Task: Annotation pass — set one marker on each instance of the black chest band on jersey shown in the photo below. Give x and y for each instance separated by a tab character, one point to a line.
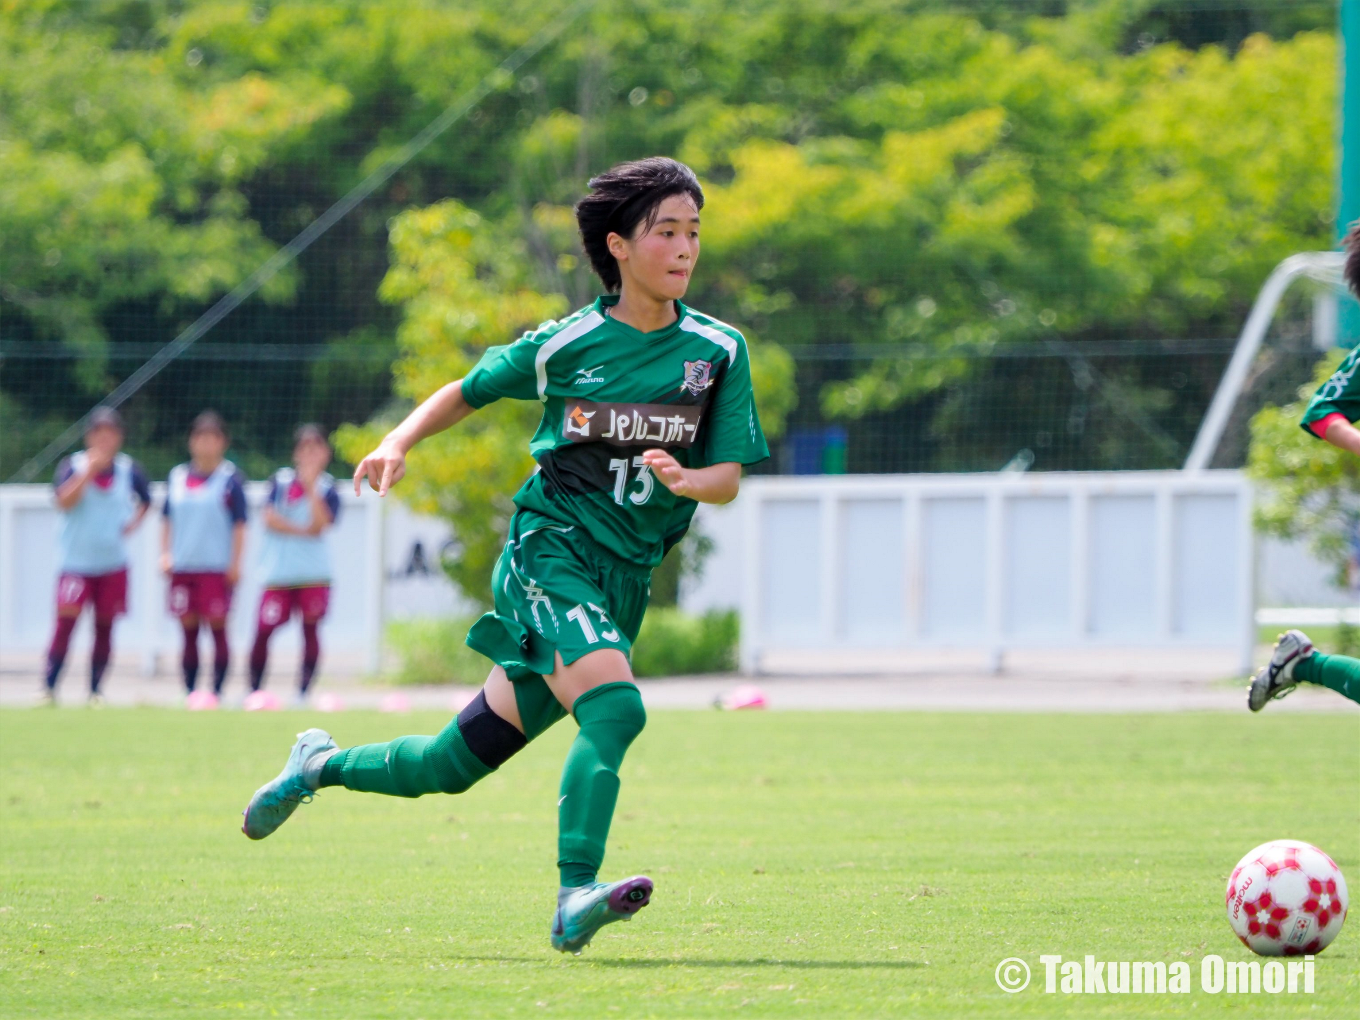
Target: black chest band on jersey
675	425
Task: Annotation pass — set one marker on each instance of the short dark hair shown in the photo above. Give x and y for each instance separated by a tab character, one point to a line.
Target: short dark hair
1351	242
209	421
102	417
311	432
621	198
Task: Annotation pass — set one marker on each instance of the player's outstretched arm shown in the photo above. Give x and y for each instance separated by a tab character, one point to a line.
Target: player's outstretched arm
717	483
1344	435
386	465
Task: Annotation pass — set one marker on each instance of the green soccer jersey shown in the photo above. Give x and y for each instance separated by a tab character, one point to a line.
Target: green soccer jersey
609	392
1340	394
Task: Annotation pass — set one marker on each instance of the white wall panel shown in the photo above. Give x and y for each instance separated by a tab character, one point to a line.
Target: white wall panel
1123	557
872	587
1206	574
1038	574
997	561
33	571
954	575
792	575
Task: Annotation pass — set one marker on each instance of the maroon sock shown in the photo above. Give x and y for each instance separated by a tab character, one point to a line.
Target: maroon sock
190	658
221	656
103	647
311	652
259	656
56	654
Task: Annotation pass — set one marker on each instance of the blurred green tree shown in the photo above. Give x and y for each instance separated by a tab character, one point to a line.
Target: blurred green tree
1310	489
882	173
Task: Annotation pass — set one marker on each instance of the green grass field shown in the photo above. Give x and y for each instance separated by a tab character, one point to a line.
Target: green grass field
806	865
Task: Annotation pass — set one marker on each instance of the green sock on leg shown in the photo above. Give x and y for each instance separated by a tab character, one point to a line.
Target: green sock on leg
611	716
408	766
1340	673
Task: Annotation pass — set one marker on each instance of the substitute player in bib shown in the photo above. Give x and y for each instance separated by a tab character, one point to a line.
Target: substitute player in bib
202	536
1331	416
103	495
302	504
647	411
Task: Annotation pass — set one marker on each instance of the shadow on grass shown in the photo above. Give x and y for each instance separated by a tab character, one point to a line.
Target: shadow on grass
721	964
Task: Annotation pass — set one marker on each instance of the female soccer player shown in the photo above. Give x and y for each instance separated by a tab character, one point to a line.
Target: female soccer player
103	495
302	504
201	540
1331	416
647	410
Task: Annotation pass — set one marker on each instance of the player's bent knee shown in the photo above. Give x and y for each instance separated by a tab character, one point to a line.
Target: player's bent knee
468	749
492	739
615	705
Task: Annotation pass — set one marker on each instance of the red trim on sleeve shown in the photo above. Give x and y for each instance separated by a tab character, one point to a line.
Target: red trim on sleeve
1321	426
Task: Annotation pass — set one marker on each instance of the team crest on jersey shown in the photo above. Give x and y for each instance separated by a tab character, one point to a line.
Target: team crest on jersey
578	421
697	376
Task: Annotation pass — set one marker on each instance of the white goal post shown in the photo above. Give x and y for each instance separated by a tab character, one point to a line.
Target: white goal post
1322	266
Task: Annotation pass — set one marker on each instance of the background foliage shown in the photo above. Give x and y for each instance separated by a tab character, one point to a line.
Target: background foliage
904	196
1309	488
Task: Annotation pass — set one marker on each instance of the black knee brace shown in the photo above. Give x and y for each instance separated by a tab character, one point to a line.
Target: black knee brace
493	740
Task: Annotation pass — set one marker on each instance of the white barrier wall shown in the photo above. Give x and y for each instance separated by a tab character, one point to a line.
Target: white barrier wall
893	562
996	561
351	633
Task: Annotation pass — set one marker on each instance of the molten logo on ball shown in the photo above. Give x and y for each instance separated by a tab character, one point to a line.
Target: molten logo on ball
1286	898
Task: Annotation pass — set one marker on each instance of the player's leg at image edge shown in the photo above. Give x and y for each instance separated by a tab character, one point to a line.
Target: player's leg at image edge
470	748
1293	662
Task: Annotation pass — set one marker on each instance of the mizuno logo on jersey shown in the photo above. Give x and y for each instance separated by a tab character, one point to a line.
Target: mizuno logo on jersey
632	424
588	375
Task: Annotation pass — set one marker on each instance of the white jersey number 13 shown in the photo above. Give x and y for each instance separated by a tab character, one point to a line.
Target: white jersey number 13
644	478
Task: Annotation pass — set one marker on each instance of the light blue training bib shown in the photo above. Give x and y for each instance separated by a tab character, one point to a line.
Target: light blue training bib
200	521
92	530
291	561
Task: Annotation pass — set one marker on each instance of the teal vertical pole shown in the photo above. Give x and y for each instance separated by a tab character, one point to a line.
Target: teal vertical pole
1348	156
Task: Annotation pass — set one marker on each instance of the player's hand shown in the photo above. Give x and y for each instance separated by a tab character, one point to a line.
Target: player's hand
98	459
232	575
383	468
668	470
167	564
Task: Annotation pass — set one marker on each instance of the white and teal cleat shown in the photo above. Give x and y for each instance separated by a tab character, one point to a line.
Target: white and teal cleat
276	800
584	910
1276	678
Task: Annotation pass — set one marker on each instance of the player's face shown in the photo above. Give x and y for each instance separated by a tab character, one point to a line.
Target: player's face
207	446
660	261
311	455
104	438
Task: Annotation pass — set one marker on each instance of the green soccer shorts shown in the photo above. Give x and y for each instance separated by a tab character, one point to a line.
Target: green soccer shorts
556	591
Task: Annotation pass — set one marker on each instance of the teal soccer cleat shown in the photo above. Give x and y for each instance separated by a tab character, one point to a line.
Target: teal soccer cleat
583	911
277	799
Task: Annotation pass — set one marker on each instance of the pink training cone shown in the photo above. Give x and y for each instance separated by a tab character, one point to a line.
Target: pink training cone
329	702
201	701
395	703
744	696
262	701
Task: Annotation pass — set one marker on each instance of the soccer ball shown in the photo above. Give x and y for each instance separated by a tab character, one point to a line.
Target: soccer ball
1286	898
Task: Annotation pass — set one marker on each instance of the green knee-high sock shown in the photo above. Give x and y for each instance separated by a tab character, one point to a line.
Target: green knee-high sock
1339	672
611	716
408	766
